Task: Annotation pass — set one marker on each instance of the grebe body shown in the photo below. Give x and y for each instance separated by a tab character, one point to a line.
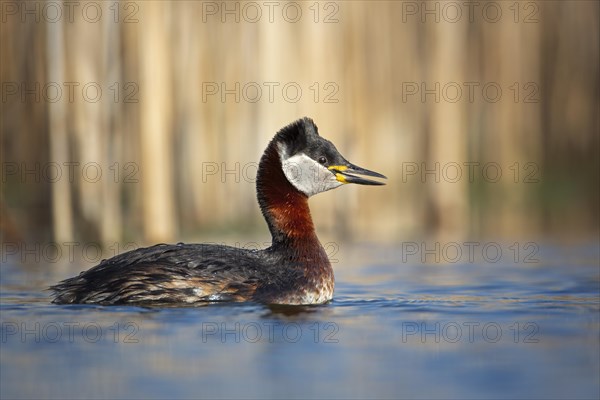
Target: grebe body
297	164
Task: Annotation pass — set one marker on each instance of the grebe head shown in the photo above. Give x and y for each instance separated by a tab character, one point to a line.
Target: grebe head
312	164
297	164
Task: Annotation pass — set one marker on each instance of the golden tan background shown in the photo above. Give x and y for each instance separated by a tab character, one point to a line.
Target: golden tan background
162	140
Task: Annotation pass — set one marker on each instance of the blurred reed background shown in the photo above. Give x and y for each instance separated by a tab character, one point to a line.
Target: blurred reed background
167	151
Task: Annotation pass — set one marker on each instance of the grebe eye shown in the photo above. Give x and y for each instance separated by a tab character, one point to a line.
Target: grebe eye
322	160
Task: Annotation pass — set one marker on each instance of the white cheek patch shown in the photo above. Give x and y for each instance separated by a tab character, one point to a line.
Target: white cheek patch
307	175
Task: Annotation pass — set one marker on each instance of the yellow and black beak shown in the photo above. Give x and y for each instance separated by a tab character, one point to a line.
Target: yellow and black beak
347	174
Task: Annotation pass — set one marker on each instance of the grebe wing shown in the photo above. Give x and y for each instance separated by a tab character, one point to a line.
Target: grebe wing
182	273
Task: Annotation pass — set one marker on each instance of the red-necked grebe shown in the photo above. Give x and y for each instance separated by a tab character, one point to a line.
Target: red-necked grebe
297	164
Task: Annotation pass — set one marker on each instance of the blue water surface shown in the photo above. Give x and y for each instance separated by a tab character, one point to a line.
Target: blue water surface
399	327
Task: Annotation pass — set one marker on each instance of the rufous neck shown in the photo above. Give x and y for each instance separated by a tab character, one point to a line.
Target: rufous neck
284	207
